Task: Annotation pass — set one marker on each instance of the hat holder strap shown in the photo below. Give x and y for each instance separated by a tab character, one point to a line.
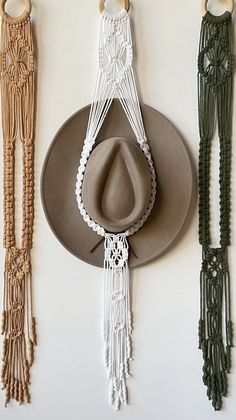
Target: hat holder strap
116	80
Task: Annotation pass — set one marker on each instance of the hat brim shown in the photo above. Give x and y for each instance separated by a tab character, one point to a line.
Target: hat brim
174	190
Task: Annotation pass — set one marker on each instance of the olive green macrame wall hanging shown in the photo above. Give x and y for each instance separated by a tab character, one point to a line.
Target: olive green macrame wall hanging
215	77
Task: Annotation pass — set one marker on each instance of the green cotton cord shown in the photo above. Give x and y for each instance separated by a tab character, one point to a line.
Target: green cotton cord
215	70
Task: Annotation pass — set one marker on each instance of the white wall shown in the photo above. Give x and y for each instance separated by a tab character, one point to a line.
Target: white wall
68	377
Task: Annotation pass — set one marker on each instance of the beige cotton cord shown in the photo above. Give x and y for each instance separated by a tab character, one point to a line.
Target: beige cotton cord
17	97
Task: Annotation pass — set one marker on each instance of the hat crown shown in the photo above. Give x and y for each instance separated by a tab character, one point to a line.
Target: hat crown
117	184
118	196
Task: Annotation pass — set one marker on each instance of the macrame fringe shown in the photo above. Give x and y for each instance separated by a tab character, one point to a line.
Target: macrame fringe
117	317
18	326
215	328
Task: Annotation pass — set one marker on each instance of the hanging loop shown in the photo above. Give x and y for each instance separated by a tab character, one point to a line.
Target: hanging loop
27	6
229	6
102	5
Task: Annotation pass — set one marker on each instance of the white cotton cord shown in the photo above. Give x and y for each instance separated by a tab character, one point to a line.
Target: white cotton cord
116	80
117	317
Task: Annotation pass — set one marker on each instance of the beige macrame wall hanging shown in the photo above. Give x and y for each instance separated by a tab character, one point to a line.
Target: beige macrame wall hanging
17	97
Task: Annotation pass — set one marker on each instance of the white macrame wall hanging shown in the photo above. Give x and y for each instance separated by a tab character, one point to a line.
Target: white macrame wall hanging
116	80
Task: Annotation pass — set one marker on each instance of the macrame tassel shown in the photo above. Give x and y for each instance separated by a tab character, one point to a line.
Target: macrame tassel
17	318
17	94
215	329
215	68
117	316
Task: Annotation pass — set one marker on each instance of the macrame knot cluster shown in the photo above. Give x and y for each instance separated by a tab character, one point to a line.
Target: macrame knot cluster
216	60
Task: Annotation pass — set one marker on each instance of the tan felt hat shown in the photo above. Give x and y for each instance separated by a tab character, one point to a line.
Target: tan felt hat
117	186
